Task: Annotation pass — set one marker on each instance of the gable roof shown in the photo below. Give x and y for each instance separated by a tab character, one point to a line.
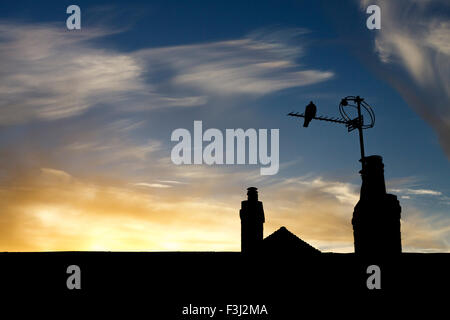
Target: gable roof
284	241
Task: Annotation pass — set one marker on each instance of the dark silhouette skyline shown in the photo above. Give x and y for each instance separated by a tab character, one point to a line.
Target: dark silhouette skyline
281	241
280	271
376	220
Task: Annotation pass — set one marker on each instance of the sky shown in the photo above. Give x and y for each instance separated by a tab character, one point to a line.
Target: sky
86	118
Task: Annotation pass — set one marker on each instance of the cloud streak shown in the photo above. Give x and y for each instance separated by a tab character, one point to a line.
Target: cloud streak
260	63
151	185
49	73
418	43
419	192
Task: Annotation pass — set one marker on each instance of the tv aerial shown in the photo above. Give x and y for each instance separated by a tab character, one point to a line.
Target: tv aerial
352	110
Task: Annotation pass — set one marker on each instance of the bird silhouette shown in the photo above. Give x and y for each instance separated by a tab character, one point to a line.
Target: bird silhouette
310	113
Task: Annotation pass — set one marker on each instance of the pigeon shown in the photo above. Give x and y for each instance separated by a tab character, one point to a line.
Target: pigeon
310	113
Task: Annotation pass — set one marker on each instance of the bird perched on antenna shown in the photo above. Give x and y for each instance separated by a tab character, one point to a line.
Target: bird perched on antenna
310	113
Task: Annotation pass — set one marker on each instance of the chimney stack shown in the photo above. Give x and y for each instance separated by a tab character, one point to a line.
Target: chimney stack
376	217
252	220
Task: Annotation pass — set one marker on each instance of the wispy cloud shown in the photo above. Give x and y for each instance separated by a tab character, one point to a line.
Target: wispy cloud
171	182
418	192
418	42
260	63
49	73
424	192
151	185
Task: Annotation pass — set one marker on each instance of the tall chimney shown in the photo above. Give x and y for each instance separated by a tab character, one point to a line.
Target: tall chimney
376	217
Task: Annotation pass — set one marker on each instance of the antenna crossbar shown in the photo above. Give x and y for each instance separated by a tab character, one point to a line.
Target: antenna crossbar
323	118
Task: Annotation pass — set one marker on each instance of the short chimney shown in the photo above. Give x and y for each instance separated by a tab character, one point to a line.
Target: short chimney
252	221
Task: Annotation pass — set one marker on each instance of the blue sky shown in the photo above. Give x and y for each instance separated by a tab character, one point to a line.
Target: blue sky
91	112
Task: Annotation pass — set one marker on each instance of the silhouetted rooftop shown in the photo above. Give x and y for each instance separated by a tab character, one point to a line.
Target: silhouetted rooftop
285	241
